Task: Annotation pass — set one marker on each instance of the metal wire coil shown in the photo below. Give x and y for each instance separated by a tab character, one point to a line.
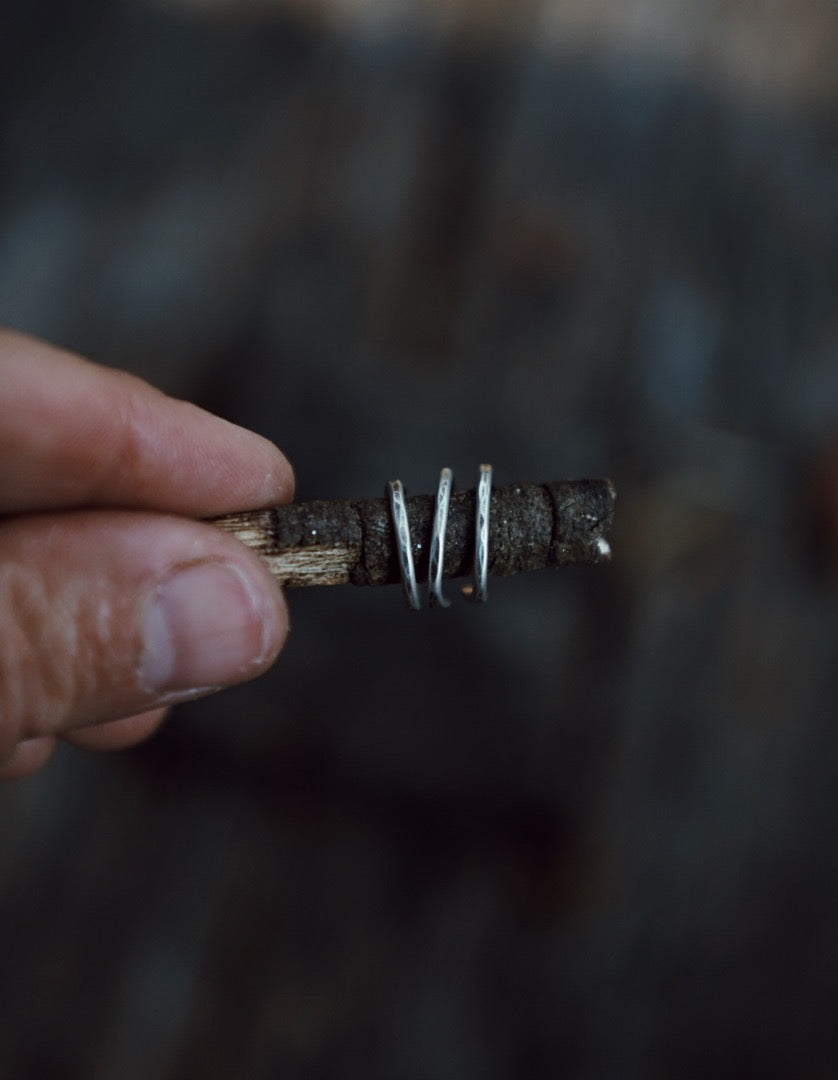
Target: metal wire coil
401	530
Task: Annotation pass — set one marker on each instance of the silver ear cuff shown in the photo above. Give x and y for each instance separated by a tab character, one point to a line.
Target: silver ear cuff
443	497
478	590
481	543
401	530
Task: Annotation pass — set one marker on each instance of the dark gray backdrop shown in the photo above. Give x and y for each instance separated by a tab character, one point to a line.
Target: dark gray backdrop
587	831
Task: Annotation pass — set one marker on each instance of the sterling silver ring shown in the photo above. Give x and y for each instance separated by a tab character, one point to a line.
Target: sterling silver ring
478	590
481	540
401	530
437	555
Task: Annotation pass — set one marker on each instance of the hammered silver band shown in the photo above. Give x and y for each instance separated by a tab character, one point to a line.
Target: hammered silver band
478	590
437	555
481	538
401	530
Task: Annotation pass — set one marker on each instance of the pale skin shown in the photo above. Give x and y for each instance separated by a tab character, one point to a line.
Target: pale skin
116	601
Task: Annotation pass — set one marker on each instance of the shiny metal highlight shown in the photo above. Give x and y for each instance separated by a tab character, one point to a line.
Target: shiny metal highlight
481	539
478	589
437	555
401	530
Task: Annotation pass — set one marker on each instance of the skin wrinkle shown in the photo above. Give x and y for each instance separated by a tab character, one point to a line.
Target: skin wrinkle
66	654
128	453
101	648
95	654
24	655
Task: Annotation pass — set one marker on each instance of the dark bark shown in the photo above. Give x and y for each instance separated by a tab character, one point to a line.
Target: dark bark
531	526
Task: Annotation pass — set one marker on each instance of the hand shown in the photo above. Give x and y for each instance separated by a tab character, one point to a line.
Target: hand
114	603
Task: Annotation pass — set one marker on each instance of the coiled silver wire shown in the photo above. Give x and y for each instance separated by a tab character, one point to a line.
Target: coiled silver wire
478	590
404	548
443	497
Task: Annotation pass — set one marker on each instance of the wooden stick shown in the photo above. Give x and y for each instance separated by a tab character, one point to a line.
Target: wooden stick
531	526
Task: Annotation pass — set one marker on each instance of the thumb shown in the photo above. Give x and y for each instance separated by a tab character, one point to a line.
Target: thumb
107	614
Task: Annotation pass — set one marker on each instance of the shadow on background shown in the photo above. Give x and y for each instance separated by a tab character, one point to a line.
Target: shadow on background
587	831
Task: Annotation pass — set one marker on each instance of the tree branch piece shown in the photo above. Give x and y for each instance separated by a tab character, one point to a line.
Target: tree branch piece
531	526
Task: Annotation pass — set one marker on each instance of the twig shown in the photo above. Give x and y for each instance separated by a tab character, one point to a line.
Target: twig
531	526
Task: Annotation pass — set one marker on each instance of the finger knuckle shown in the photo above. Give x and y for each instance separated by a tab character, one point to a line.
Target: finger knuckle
38	657
131	431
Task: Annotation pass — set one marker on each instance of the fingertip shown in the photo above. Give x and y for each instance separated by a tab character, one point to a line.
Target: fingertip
117	734
80	434
276	483
27	758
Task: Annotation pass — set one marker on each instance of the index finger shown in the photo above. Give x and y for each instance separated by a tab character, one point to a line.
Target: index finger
73	434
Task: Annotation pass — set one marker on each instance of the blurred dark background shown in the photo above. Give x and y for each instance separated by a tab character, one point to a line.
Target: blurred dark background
587	831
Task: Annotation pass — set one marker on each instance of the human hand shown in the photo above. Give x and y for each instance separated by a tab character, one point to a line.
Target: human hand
114	602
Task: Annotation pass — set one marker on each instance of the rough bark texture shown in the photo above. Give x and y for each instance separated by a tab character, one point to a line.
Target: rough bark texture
531	526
